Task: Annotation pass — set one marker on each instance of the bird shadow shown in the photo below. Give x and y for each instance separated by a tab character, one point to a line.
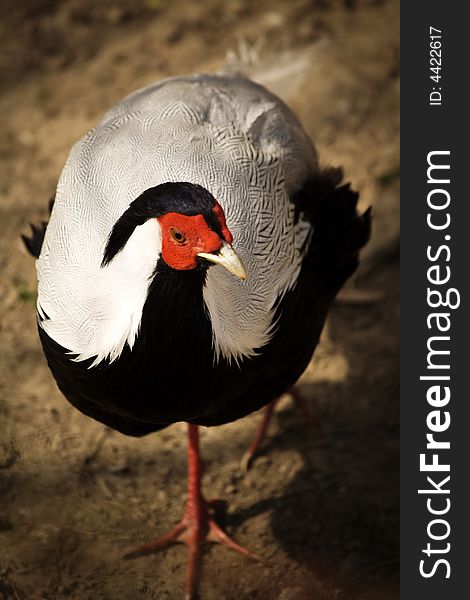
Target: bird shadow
338	516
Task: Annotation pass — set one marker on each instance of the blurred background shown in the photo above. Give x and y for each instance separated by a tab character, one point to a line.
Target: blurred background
321	504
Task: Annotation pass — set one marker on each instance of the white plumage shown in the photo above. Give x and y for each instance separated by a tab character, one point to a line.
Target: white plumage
223	132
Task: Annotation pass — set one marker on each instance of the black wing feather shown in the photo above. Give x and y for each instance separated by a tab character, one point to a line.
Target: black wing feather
339	230
34	242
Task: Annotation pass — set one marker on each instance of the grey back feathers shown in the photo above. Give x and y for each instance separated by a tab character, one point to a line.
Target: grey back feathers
225	133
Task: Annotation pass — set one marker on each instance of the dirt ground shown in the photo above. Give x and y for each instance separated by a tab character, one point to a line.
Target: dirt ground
320	505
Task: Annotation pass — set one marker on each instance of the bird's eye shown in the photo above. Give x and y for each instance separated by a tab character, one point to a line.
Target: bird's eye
177	236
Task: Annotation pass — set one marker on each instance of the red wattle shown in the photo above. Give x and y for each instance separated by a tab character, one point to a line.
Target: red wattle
219	213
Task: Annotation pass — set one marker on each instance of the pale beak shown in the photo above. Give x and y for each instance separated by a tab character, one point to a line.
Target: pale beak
228	258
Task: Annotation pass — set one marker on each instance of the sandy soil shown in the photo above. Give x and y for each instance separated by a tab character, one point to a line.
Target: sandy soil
320	505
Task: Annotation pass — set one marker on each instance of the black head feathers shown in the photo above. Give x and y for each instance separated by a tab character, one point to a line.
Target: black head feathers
181	197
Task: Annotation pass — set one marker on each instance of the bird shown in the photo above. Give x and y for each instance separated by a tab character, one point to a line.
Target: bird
193	249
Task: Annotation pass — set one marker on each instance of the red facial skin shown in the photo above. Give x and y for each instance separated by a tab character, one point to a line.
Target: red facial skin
183	237
219	213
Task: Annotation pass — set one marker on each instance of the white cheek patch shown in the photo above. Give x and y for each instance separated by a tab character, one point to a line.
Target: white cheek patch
102	306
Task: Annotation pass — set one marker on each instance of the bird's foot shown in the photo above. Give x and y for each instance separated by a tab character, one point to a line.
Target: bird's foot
268	410
196	527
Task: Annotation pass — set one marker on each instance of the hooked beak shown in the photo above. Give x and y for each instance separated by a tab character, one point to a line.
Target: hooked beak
228	258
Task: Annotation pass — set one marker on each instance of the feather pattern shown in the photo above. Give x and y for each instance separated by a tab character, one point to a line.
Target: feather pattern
223	132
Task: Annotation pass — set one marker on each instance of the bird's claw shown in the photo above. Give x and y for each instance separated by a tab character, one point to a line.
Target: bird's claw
196	527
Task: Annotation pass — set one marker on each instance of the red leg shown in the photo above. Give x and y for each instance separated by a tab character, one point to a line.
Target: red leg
253	448
196	526
268	410
302	406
